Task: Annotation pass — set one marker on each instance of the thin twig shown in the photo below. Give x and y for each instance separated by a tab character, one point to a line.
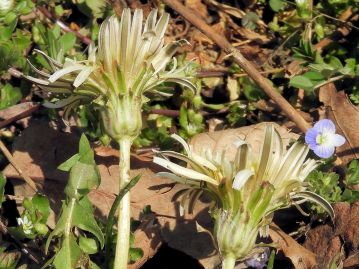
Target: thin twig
175	113
248	67
222	73
20	116
4	230
84	39
329	81
10	158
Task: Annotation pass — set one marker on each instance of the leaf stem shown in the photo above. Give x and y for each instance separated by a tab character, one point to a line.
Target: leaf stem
228	261
111	216
329	81
124	213
67	233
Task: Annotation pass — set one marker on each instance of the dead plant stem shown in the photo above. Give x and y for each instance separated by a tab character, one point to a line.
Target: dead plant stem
10	158
248	67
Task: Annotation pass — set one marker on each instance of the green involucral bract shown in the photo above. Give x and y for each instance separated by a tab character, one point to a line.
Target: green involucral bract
246	190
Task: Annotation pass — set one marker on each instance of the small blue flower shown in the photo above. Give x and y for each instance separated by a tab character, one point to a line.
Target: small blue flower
322	138
259	261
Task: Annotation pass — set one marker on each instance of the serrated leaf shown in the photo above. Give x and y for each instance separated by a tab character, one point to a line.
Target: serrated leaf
352	175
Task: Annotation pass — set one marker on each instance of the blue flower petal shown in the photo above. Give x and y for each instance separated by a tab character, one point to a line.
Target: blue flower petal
324	151
338	140
325	126
311	138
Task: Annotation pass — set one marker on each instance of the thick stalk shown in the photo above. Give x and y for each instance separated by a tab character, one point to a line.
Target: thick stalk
124	213
228	261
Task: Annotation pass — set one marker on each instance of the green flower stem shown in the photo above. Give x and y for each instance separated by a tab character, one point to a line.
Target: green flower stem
228	261
124	214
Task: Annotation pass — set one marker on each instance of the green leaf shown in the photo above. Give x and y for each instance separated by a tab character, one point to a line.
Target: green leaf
301	82
88	245
335	63
9	96
41	207
85	150
251	90
270	264
76	214
276	5
69	254
135	254
352	173
67	41
6	31
67	165
350	196
83	218
2	188
314	76
83	177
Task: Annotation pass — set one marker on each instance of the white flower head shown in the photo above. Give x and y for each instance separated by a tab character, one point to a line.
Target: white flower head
26	224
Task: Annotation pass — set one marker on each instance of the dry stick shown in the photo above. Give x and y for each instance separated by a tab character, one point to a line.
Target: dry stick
63	26
249	68
8	155
4	230
20	116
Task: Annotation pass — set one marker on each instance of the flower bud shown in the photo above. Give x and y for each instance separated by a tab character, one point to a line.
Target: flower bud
6	6
304	9
122	118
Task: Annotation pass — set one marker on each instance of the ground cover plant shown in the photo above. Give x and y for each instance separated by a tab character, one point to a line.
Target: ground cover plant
179	134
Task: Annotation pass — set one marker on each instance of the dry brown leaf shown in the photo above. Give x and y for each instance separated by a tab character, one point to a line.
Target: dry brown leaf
254	135
300	256
251	35
199	7
327	241
235	12
346	117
